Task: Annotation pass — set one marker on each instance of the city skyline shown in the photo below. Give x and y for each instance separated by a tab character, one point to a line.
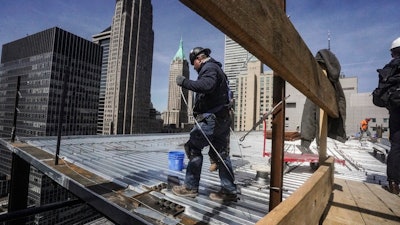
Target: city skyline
360	33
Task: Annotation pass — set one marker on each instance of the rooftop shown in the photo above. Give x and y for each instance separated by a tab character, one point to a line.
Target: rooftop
138	167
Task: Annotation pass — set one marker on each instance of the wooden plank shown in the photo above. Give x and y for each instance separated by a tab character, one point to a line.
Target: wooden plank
389	199
263	28
342	209
312	196
372	209
289	135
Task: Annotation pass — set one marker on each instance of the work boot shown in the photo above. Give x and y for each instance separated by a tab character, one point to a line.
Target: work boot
394	187
213	167
183	191
223	197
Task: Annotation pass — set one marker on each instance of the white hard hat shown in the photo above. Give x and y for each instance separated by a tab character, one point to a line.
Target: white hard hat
395	43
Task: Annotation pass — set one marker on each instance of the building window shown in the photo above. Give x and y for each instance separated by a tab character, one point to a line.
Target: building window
291	105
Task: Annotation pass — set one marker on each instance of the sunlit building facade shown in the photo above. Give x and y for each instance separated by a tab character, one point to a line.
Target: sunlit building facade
177	112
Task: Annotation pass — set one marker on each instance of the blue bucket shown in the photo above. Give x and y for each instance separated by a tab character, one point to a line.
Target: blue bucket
175	160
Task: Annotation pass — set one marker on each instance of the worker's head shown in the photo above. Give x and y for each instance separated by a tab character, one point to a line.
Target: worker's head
395	48
368	119
198	53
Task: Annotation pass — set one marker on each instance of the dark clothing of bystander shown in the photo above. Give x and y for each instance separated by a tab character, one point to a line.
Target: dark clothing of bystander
393	158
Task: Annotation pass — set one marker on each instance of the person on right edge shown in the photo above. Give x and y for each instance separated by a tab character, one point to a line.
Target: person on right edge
393	158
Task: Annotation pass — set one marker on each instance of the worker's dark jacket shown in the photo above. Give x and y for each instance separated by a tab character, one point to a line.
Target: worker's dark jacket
309	121
210	87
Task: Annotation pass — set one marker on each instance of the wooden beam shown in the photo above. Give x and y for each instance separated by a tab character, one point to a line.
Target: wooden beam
278	134
262	28
307	204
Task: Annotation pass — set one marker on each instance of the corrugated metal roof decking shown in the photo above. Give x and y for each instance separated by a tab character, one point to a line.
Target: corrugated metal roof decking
141	162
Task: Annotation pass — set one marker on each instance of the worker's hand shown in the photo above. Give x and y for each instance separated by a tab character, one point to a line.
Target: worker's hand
180	79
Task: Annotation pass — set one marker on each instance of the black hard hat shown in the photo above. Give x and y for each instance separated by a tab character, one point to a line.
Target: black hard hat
196	51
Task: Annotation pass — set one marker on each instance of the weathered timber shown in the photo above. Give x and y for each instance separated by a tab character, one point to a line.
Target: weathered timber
341	215
307	204
262	27
372	209
388	198
355	202
289	135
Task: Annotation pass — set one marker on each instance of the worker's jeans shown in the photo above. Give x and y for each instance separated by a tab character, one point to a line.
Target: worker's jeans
217	131
393	158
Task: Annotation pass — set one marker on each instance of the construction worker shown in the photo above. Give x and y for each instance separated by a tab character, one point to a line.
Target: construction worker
393	158
212	126
364	127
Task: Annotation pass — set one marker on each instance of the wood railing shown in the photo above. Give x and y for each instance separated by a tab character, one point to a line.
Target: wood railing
307	204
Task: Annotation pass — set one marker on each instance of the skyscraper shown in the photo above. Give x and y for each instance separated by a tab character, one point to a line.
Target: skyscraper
102	39
235	63
177	113
59	75
254	97
127	99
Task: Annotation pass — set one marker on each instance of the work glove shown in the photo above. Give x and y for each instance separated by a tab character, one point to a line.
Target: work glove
180	79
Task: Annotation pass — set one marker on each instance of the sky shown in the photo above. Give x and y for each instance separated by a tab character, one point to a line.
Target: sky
360	31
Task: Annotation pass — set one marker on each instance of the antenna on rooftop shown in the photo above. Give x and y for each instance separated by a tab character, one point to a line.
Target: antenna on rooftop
329	40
